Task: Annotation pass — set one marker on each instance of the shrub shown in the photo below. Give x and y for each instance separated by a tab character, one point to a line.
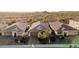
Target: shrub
18	38
61	37
75	46
43	37
24	39
53	38
42	34
72	46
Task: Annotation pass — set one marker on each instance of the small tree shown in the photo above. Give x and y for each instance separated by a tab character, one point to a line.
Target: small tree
42	34
43	37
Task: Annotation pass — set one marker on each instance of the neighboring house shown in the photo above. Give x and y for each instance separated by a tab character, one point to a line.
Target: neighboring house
74	24
38	26
17	29
62	29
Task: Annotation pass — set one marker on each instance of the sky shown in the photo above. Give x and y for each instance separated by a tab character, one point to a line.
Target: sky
38	5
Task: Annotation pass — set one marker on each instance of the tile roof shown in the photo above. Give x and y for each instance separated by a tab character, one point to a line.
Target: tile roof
67	27
60	26
37	24
55	25
20	25
2	26
34	25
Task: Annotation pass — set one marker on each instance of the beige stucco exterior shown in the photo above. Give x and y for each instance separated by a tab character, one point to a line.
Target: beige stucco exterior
74	24
69	32
6	33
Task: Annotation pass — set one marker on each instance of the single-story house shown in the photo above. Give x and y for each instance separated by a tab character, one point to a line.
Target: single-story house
63	29
38	26
17	29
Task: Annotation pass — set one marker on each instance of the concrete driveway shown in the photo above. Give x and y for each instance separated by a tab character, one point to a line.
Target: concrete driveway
33	40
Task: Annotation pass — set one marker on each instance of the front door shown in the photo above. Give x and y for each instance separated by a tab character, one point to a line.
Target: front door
65	33
14	34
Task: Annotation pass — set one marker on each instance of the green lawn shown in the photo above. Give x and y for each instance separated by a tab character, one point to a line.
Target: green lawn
75	39
67	40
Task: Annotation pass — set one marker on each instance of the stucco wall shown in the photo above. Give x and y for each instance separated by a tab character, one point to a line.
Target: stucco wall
69	32
74	24
12	33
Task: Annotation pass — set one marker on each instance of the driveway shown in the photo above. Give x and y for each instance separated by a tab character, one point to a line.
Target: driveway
33	40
